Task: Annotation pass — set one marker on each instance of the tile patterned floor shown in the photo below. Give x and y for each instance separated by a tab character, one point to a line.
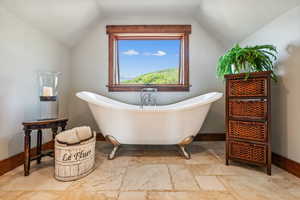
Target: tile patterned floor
155	173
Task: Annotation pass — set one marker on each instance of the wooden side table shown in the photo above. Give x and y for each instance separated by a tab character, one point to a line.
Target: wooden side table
39	125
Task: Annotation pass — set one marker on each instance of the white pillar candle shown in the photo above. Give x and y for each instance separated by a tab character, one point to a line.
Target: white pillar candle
47	91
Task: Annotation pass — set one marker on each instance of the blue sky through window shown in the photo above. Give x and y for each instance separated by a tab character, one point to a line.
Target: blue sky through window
137	57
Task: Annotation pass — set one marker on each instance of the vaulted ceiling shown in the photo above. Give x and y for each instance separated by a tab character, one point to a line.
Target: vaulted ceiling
229	21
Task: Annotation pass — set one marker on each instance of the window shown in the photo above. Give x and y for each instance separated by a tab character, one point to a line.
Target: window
149	56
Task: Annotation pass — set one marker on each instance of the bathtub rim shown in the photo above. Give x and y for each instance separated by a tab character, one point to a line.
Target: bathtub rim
95	99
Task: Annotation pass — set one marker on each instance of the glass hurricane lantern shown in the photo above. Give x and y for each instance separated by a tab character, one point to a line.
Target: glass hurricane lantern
48	94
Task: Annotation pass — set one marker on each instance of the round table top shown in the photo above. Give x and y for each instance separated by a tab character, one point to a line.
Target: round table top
42	122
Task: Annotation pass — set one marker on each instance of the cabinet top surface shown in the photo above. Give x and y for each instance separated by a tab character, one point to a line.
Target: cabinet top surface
251	75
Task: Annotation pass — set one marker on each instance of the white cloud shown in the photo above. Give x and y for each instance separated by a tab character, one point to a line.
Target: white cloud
131	52
160	53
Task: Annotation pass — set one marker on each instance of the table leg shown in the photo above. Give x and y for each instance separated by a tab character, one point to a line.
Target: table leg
27	146
39	145
63	127
54	132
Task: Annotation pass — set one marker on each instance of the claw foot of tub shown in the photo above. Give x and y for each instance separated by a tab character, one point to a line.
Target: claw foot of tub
183	144
185	153
112	154
116	145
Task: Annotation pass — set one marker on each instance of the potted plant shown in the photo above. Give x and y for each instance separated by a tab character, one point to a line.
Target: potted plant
248	59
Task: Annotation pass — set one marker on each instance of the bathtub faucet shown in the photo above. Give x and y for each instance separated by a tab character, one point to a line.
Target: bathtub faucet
148	97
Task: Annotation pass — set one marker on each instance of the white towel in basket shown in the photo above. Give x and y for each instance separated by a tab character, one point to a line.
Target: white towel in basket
84	133
75	135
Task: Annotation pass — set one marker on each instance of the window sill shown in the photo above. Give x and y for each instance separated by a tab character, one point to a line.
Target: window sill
137	88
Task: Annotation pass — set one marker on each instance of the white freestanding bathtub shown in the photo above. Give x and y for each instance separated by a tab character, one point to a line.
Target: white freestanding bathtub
123	123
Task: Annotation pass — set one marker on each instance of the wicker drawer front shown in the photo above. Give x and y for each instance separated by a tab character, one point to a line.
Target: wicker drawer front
250	87
252	109
256	131
247	151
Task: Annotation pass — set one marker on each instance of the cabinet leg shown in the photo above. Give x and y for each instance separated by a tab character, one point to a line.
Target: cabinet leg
226	153
269	171
39	146
27	146
269	167
269	162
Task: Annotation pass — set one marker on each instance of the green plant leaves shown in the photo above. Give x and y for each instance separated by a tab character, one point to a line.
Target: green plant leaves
248	59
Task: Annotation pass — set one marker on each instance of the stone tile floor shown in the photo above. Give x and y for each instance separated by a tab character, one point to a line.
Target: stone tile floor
155	173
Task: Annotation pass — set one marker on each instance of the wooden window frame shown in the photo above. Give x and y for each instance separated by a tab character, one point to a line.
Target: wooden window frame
148	32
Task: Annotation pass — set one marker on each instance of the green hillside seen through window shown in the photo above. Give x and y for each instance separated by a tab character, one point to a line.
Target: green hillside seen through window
167	76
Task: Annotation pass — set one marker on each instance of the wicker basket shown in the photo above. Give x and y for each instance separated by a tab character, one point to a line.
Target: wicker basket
247	151
256	131
74	161
251	109
250	87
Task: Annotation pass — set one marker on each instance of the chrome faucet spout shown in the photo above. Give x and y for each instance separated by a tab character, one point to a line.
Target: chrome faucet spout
148	97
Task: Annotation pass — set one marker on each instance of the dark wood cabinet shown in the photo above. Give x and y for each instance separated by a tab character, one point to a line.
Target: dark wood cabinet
248	119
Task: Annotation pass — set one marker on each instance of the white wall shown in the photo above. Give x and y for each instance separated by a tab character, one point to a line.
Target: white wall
23	52
284	32
90	69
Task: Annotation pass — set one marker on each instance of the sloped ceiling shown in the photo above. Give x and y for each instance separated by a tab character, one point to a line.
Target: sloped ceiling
229	21
149	8
232	21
